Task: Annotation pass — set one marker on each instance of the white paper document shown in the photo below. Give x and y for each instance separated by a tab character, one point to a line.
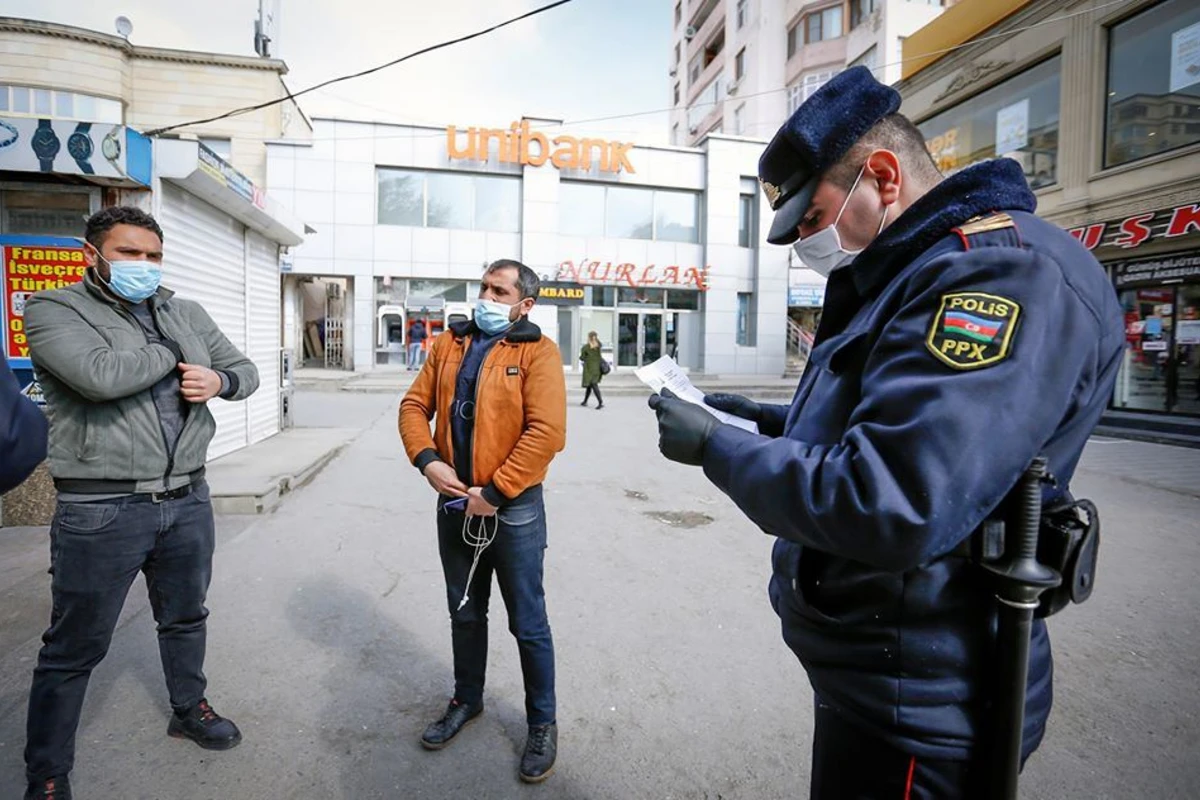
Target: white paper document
666	373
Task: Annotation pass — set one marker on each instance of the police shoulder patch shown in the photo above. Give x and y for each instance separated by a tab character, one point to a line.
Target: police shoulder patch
973	330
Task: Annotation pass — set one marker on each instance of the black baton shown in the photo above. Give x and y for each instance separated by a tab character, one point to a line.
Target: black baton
1020	581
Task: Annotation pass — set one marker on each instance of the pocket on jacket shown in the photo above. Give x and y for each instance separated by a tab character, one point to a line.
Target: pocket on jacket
89	446
86	517
797	568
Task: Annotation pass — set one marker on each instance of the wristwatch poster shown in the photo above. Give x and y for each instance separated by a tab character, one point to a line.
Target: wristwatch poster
80	147
45	144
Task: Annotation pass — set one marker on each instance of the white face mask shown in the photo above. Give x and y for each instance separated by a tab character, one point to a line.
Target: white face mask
822	252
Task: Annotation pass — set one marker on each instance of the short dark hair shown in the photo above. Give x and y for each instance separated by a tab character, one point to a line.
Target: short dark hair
527	280
894	132
100	223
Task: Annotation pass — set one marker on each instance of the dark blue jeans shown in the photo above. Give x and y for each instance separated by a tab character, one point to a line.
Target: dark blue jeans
96	551
515	557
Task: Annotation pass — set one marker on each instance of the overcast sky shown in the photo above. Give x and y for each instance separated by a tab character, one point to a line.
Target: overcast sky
587	59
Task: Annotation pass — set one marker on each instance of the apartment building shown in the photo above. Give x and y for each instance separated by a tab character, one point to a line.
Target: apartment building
741	67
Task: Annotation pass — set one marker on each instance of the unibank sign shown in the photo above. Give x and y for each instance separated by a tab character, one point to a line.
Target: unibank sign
520	145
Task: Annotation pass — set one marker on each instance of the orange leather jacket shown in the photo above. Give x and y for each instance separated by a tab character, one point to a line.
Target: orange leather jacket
520	409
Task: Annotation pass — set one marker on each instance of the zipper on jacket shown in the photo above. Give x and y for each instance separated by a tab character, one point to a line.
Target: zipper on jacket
162	429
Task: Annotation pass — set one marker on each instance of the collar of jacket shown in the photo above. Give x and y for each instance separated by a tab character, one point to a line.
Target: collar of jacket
521	331
92	282
996	185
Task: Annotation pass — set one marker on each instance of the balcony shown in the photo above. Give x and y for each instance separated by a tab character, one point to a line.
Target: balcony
712	24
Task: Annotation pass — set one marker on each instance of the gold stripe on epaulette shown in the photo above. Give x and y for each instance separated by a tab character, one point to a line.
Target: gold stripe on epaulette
995	222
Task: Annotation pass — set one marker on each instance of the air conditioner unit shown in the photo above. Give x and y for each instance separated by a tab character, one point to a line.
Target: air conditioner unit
692	129
689	33
732	88
673	72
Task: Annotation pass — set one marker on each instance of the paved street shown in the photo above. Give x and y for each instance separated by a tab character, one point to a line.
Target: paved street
329	642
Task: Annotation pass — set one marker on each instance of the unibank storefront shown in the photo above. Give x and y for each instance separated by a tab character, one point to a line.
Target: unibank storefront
659	250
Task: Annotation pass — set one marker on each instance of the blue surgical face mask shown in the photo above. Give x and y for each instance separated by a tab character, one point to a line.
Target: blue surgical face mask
133	280
492	317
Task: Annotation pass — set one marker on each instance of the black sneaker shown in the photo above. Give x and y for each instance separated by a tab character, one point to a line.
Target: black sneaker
458	715
541	748
56	788
205	727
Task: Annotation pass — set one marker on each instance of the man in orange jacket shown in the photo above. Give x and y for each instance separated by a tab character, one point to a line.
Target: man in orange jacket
495	386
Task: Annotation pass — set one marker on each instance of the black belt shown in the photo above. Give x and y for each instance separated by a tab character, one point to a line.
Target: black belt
86	486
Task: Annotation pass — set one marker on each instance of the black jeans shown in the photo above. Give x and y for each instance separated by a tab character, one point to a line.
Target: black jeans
96	551
851	764
515	557
593	387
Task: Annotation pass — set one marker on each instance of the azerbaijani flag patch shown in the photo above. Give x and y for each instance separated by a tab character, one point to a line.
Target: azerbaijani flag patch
973	330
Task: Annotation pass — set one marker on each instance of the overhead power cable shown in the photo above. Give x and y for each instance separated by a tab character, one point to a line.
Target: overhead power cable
293	95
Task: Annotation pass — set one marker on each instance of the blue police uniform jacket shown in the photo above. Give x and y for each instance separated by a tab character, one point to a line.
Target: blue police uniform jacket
945	361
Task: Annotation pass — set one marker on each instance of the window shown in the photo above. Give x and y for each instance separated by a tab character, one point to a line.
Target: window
675	134
448	200
793	39
745	319
1018	118
678	13
929	2
60	105
694	67
739	64
823	25
868	59
1152	81
706	102
47	213
793	100
222	147
677	53
747	220
675	95
739	119
741	14
619	212
859	11
801	91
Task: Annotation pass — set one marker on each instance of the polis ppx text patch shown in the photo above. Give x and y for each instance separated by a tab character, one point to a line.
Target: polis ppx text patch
973	330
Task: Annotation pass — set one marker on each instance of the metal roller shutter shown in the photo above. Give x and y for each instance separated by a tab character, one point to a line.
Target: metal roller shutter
264	333
204	259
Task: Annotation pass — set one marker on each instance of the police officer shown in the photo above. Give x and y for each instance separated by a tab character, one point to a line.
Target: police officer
961	337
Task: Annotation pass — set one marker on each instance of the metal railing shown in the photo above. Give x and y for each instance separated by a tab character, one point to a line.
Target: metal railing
799	341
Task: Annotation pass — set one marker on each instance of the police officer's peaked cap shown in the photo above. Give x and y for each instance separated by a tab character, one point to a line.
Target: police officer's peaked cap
821	131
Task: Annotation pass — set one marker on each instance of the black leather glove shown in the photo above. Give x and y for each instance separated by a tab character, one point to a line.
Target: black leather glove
683	428
735	404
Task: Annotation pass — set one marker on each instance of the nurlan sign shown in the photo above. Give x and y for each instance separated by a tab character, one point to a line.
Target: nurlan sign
973	330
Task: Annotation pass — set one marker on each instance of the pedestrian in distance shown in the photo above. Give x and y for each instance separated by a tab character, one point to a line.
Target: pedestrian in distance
416	344
961	337
494	388
593	369
128	370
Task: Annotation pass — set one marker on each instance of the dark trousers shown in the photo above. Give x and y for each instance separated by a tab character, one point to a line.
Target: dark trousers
851	764
515	557
96	551
593	387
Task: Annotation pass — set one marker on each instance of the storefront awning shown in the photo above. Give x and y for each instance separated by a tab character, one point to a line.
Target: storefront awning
98	152
203	173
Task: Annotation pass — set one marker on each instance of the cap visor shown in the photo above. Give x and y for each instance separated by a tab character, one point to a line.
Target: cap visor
785	226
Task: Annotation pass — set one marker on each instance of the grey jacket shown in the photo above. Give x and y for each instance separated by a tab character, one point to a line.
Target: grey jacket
97	371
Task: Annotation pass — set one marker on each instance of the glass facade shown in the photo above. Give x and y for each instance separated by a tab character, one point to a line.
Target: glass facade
620	212
1160	370
448	200
1153	82
1017	118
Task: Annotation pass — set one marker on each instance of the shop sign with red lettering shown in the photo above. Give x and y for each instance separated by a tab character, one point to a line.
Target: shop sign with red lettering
606	273
1134	231
33	264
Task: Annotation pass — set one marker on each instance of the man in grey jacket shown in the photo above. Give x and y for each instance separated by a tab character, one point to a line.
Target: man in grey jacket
126	369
